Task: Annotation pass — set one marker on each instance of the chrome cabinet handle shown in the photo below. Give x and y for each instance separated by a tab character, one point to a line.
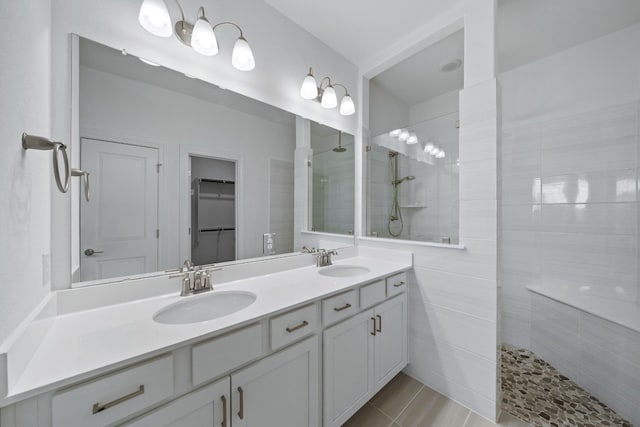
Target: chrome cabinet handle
97	407
89	252
344	307
295	328
373	332
224	410
241	410
379	323
397	285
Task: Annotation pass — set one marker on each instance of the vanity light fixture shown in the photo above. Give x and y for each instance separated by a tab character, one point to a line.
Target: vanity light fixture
413	138
404	135
429	147
326	95
154	17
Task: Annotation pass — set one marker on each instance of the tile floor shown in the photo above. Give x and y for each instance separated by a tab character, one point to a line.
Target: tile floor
405	402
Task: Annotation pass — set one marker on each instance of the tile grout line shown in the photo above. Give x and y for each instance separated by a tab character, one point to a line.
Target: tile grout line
464	424
409	403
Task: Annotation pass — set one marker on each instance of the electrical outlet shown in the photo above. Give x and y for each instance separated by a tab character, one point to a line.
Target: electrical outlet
269	243
46	269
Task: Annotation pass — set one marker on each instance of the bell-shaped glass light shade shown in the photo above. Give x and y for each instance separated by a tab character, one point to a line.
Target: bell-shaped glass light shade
395	133
242	56
412	139
404	135
346	106
309	89
440	155
329	98
203	39
154	17
429	147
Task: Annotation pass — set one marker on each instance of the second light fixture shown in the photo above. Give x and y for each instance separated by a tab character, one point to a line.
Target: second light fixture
154	17
326	95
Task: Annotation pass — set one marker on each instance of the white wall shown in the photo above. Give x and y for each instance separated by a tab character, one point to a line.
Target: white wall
116	108
435	107
570	208
283	54
26	185
453	321
387	112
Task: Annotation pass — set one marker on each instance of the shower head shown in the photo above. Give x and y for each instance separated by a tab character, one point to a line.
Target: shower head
406	178
339	148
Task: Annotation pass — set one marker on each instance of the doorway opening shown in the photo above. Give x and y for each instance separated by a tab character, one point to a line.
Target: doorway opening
213	210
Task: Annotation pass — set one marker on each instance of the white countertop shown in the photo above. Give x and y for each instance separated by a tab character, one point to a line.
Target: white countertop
81	344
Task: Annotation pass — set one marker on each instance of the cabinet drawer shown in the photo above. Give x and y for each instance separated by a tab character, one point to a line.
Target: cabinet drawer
215	357
115	396
396	284
372	294
339	307
292	326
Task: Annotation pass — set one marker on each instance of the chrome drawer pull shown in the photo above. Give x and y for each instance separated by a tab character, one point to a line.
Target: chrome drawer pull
295	328
379	323
397	285
373	332
224	410
344	307
99	408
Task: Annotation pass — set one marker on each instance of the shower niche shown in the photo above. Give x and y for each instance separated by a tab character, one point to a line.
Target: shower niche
412	160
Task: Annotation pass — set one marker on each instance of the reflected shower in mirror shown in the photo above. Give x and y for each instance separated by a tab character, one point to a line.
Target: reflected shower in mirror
332	179
412	163
179	169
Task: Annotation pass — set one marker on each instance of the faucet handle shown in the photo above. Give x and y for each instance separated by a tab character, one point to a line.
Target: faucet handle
332	252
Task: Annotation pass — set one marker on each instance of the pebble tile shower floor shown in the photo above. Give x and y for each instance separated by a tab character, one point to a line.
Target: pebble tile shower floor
537	393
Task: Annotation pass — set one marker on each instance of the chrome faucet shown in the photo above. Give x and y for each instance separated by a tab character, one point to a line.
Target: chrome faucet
194	280
324	257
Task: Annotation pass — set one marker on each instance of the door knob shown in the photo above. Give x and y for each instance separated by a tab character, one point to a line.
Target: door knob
89	252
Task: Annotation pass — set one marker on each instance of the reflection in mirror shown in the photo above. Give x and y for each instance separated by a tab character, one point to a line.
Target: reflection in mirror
412	163
333	180
179	169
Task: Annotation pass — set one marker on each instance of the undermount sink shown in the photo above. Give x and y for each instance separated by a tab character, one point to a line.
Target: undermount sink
343	270
201	308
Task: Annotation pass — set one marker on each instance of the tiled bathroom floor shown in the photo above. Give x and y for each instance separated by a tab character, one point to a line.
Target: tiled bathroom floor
405	402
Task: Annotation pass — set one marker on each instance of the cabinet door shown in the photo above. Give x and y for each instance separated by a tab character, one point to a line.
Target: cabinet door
209	406
348	367
391	340
282	390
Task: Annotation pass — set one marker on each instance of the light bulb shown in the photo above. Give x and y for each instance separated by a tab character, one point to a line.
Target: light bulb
203	39
440	155
412	139
309	89
395	133
436	151
242	56
404	135
429	147
346	106
329	99
154	17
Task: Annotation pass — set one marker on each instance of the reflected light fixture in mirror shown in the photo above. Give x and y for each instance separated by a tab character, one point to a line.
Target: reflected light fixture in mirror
154	17
326	95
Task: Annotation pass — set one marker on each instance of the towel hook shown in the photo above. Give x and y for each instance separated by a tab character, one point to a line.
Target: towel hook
39	143
80	172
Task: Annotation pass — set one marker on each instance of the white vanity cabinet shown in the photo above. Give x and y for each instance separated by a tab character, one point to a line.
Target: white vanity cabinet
281	390
361	355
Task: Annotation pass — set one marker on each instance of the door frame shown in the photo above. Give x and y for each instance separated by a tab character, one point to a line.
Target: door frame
185	197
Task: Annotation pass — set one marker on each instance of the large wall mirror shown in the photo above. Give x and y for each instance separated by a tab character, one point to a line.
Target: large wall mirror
178	169
412	165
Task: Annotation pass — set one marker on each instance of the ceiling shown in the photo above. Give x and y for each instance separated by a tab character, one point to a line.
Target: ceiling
420	77
527	30
359	29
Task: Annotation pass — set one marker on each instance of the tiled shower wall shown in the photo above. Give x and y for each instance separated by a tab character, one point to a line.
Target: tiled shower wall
570	210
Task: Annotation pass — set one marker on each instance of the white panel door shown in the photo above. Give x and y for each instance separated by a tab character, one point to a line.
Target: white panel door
282	390
120	221
209	406
348	367
391	340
